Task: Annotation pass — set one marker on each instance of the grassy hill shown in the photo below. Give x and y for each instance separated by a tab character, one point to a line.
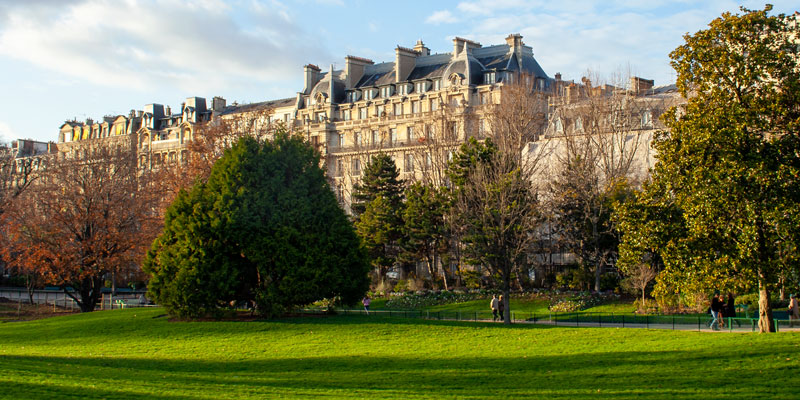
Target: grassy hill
137	353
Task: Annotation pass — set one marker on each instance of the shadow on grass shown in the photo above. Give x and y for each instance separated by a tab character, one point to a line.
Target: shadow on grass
675	374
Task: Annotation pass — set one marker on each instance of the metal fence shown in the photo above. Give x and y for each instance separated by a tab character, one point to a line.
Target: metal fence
57	298
610	320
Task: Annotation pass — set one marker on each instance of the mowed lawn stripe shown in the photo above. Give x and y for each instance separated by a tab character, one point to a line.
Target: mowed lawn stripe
135	353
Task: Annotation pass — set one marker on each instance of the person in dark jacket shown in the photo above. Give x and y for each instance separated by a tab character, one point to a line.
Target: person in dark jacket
729	310
716	307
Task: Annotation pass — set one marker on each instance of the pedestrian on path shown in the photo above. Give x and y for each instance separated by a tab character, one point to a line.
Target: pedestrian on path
794	310
495	305
366	301
716	307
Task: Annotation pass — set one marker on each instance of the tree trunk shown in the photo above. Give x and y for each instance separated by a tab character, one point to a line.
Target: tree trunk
765	322
506	296
597	277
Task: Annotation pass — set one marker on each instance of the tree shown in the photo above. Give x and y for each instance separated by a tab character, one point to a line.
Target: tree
602	139
727	183
381	178
497	204
425	233
378	211
265	228
639	276
85	218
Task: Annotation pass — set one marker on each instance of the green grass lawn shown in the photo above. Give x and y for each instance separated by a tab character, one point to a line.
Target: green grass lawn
137	353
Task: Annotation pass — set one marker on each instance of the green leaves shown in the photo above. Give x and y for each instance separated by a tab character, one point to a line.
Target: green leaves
726	178
266	228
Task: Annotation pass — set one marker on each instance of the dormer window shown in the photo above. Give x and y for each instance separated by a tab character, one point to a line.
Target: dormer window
489	78
404	89
421	87
369	94
559	126
353	96
387	91
437	84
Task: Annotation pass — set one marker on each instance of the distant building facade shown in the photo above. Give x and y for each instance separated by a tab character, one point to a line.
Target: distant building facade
395	107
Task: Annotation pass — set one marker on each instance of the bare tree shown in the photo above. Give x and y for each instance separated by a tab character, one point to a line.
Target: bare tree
603	139
640	276
498	204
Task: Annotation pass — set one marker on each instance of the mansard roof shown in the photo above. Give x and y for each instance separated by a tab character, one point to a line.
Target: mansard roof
260	106
491	58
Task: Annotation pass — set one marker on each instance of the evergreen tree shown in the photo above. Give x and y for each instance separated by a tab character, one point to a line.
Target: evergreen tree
425	235
378	208
265	228
381	178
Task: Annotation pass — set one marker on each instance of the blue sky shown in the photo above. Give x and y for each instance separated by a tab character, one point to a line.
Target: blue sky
64	59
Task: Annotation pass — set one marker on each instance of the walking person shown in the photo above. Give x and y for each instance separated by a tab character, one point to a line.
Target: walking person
366	301
794	310
716	307
501	308
494	304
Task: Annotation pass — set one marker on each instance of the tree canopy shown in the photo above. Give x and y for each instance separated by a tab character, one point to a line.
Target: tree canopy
723	201
265	228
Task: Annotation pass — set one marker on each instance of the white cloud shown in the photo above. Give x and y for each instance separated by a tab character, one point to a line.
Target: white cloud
6	134
196	46
441	17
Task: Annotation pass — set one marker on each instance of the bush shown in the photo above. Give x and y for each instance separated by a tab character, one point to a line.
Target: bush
471	279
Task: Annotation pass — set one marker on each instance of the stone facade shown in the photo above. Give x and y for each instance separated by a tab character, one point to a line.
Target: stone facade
418	108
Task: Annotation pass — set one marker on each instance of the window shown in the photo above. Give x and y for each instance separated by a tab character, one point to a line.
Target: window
339	168
379	110
369	94
375	138
559	126
647	119
393	135
434	104
356	167
578	124
340	192
346	115
404	89
409	162
421	87
352	97
357	138
484	98
489	78
415	107
386	91
437	84
362	113
398	109
410	134
341	140
482	127
320	117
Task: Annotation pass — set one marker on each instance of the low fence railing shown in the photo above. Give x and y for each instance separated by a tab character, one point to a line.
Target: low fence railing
577	319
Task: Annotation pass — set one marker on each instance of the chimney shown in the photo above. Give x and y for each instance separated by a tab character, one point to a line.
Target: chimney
514	41
167	111
558	76
217	104
310	77
460	44
640	85
404	61
421	49
198	103
354	70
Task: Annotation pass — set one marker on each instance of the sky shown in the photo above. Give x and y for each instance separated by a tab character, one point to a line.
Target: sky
79	59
